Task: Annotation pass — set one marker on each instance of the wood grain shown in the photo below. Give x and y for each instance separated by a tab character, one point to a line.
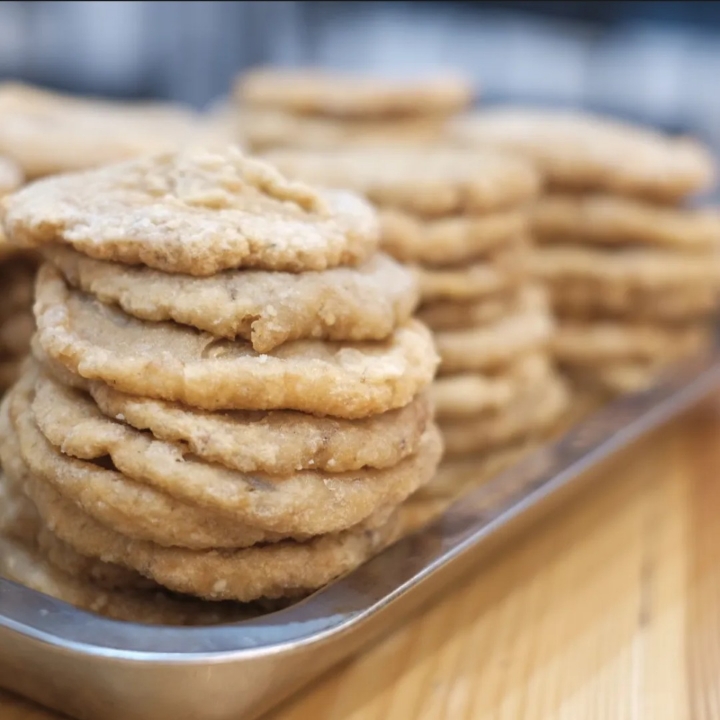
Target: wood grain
608	610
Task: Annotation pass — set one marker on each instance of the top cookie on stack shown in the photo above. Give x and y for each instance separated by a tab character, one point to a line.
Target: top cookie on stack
460	220
230	397
586	153
46	132
320	109
634	276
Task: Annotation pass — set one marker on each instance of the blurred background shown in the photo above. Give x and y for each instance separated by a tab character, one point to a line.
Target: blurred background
658	62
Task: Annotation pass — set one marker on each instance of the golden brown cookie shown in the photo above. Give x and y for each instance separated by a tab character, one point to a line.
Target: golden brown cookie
449	240
96	572
264	130
636	284
500	273
260	441
47	132
20	522
196	213
312	91
456	315
18	518
298	504
618	377
266	308
498	344
17	272
530	415
606	341
430	182
172	362
152	607
614	220
271	571
131	508
279	442
590	300
467	394
580	151
139	510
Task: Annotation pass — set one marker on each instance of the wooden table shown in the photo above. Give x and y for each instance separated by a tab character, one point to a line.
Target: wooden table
610	609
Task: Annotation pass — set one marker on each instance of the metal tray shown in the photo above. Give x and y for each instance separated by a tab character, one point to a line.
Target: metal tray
91	667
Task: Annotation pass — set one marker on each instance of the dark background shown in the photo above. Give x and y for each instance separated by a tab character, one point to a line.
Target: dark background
653	61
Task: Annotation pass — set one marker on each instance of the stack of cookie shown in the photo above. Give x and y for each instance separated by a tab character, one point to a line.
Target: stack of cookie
459	220
228	395
16	276
310	108
634	276
31	555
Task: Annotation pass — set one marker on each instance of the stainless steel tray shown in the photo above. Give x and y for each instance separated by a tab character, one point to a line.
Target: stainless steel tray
90	667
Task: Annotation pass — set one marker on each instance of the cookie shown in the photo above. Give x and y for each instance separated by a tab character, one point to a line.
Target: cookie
195	213
618	377
130	508
20	522
498	344
100	574
176	363
455	315
429	182
500	273
468	394
279	442
589	300
151	607
606	341
264	130
259	441
271	571
18	518
580	151
530	415
264	308
46	132
312	91
614	220
301	503
641	269
16	321
449	240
